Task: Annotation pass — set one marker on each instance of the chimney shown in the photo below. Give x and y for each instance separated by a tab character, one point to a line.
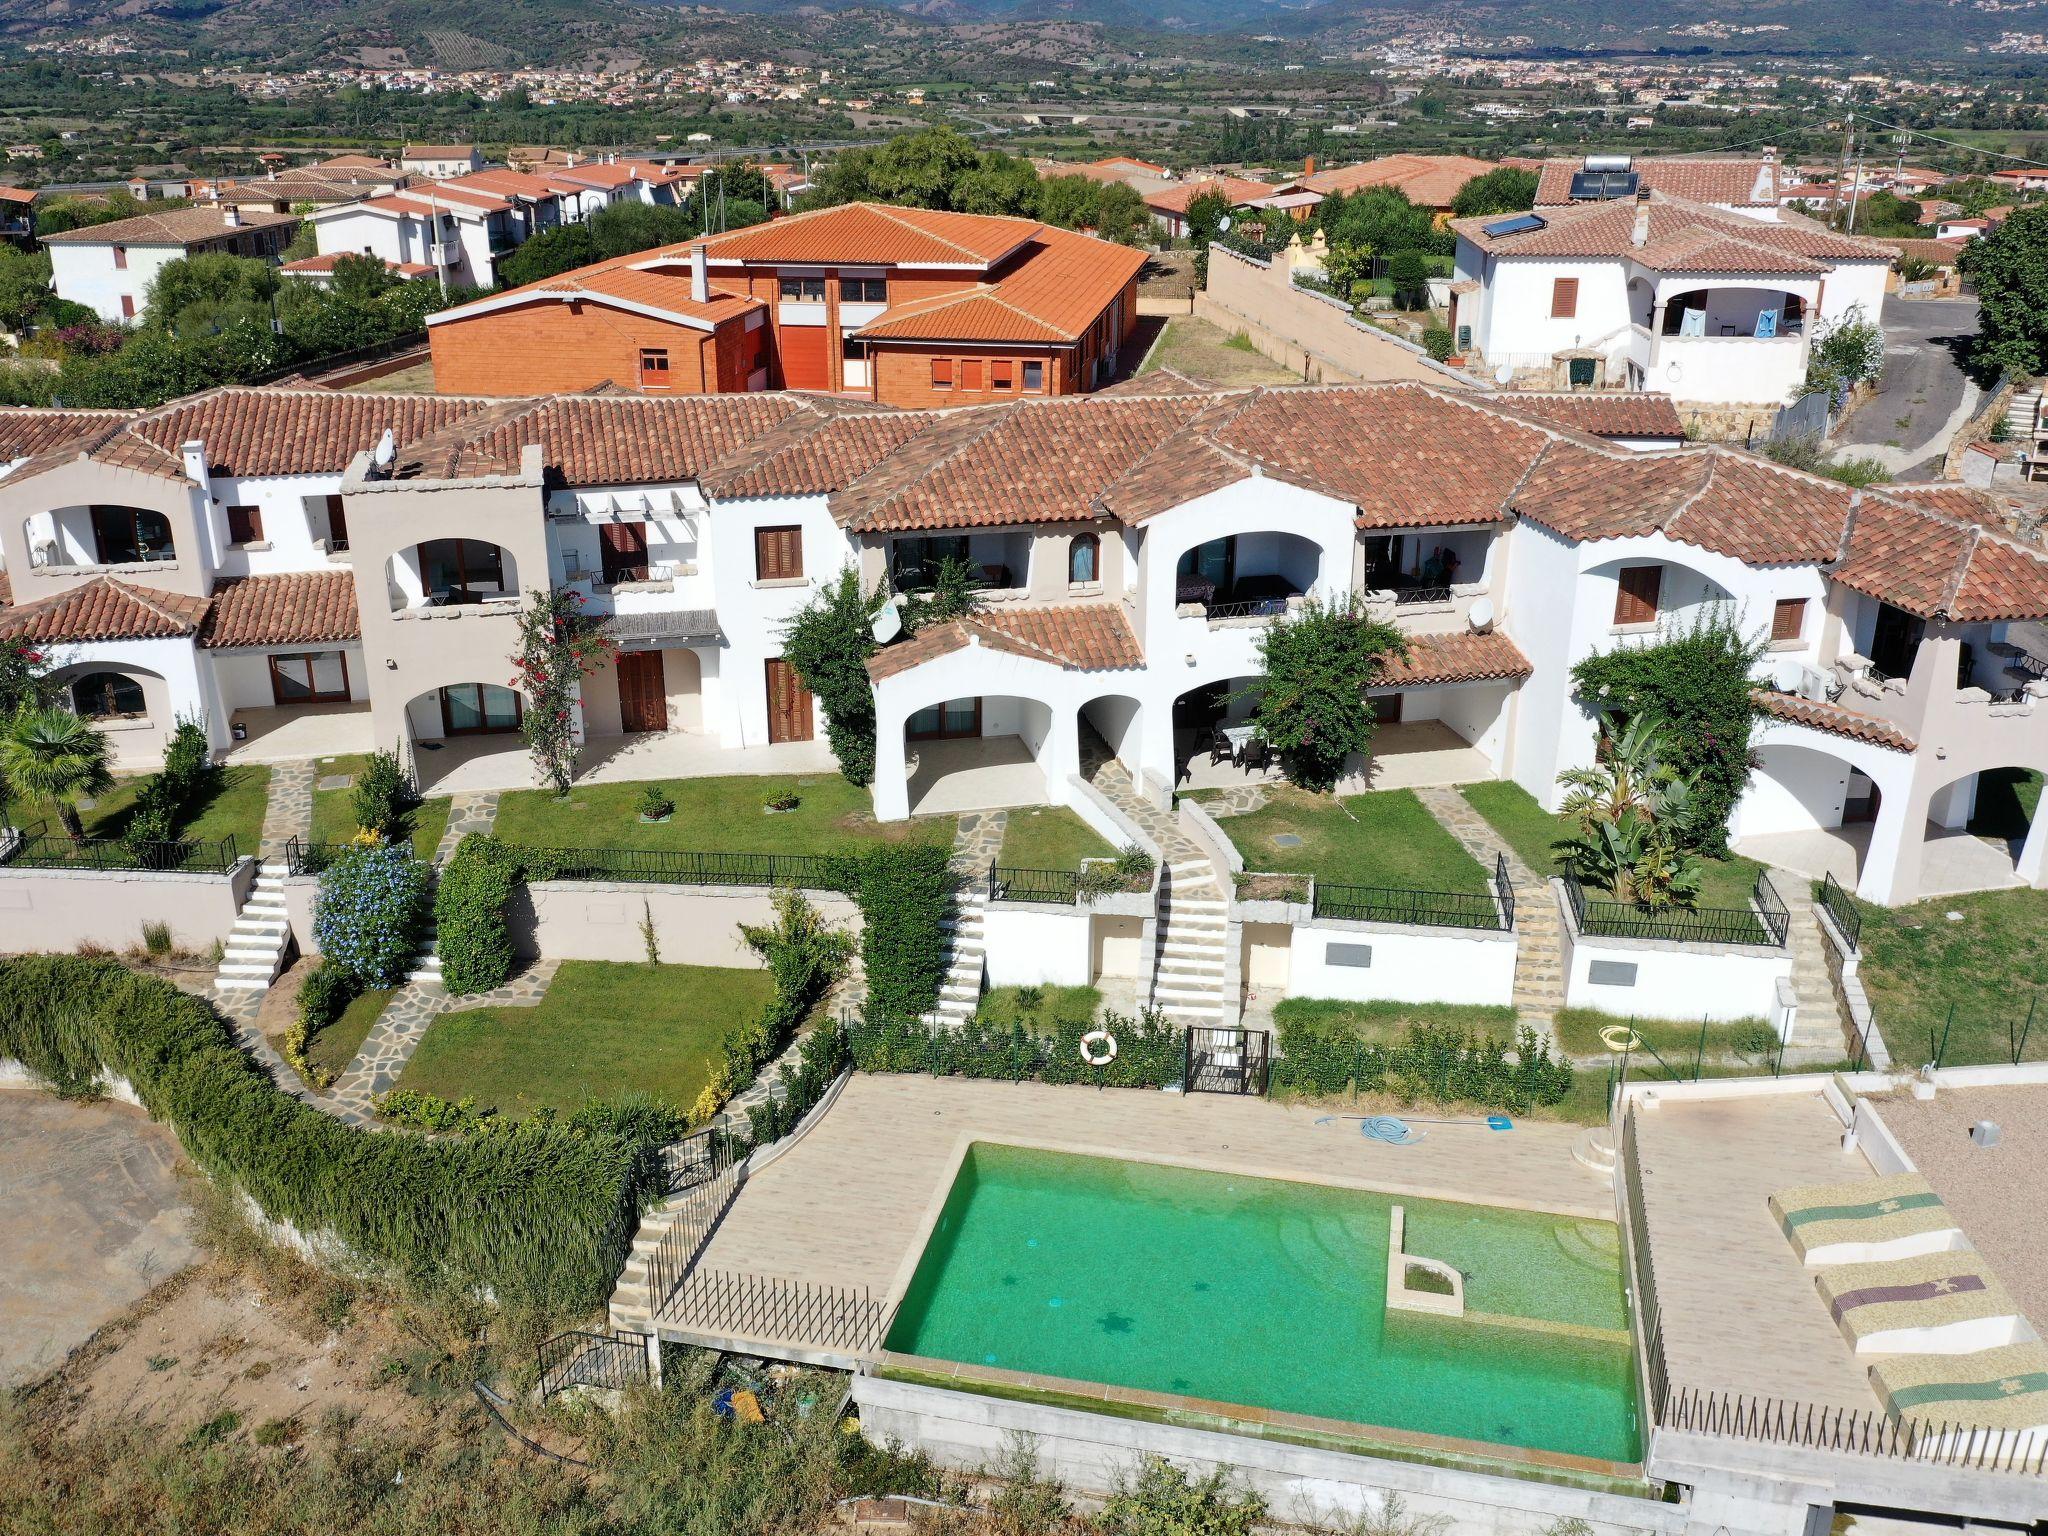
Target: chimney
194	454
1640	235
232	214
1308	166
700	276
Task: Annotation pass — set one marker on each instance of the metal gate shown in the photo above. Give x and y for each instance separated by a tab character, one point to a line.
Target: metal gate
1226	1061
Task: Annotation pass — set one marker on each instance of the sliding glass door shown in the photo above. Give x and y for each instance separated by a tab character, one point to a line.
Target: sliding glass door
479	709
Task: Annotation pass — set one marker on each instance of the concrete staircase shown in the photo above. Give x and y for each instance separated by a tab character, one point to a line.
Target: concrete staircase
966	961
1818	1031
2023	415
256	944
426	970
1192	954
1593	1150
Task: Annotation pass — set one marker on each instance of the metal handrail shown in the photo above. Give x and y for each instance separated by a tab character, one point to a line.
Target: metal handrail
1406	595
1250	608
1843	911
1765	922
812	871
1054	885
1414	906
304	857
182	855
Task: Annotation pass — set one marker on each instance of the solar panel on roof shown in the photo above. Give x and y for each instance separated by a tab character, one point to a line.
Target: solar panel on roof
1520	224
1600	186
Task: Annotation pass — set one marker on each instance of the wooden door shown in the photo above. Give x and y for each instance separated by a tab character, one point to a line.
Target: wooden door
337	523
643	693
805	356
625	551
1386	708
789	703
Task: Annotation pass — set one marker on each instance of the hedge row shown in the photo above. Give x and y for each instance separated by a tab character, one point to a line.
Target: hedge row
1431	1061
905	896
1151	1053
543	1216
471	899
822	1059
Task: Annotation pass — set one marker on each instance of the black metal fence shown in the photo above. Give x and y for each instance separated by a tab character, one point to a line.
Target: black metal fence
1839	907
1227	1060
1976	1046
1494	909
192	856
308	858
769	1309
1764	922
1062	886
1404	596
609	1361
1857	1432
661	866
716	1183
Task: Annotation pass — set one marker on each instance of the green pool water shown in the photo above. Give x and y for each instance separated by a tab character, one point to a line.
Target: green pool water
1271	1294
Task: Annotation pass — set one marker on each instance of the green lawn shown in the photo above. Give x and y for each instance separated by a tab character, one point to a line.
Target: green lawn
712	816
602	1030
1387	1023
1989	969
1385	838
1049	837
231	806
334	816
1678	1041
334	1047
1530	831
1041	1009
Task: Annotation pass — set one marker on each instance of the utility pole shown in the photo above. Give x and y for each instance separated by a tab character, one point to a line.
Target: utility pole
1842	172
1856	192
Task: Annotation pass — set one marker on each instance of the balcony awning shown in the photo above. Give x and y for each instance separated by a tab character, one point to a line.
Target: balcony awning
674	626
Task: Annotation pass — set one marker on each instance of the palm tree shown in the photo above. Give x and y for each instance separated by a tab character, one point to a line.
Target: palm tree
1636	816
52	754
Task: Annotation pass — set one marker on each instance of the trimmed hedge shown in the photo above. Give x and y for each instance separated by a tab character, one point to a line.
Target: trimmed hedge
822	1059
474	938
1151	1053
1433	1061
543	1216
905	896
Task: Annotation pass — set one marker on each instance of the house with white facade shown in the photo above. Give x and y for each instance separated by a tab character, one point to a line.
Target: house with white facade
1651	292
440	161
109	267
458	229
247	555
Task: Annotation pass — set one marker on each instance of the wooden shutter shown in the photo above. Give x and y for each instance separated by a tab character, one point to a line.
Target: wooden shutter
778	553
245	525
1564	298
337	523
1636	601
1788	618
1002	374
942	373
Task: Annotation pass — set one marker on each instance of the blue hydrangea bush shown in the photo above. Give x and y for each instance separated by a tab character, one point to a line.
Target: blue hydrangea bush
371	912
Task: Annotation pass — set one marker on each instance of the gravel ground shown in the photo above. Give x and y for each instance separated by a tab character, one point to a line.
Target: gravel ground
1997	1193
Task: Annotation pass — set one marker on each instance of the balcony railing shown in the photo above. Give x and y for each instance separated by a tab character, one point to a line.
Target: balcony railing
1494	909
1408	596
1842	910
193	856
1764	922
1059	886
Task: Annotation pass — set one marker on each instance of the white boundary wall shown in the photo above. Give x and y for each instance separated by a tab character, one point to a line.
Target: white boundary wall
1363	962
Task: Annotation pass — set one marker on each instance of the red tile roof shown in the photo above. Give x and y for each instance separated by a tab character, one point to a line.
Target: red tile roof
877	234
26	431
1836	720
1683	237
813	452
1739	183
104	609
1439	659
293	431
175	226
1083	637
317	266
295	608
1599	413
625	279
1233	189
1052	290
1430	181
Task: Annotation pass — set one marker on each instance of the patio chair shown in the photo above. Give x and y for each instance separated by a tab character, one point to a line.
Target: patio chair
1219	749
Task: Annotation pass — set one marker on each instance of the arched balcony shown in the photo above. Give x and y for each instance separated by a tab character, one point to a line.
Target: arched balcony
98	535
442	573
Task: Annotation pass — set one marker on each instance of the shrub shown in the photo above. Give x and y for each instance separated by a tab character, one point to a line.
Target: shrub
822	1059
151	825
1432	1061
323	998
805	955
1317	664
156	940
905	896
656	804
829	642
1438	341
383	797
785	800
470	905
434	1212
1755	1038
370	912
1151	1053
1162	1500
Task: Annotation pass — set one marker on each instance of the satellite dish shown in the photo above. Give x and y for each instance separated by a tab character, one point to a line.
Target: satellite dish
1223	223
888	621
387	450
1480	616
1787	674
1503	375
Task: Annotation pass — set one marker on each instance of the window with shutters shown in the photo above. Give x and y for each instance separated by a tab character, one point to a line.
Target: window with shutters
1564	298
942	373
1002	375
245	525
120	258
778	554
1635	601
1788	618
654	368
971	373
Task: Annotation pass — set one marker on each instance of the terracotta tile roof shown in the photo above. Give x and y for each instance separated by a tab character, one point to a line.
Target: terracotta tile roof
1083	637
812	453
294	431
176	226
622	278
1683	237
298	607
1162	381
311	266
1908	558
1234	189
1598	413
26	431
1741	183
1052	289
1836	720
1431	181
1937	253
104	609
436	151
877	234
1435	659
600	439
1964	503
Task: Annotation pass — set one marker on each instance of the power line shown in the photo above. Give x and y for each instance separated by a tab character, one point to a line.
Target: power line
1921	133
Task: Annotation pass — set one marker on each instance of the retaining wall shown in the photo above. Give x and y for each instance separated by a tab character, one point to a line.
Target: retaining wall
1660	979
56	910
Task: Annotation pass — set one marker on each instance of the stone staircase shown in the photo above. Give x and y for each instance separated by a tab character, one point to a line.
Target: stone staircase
1539	931
256	944
1192	954
2023	415
426	970
966	960
1818	1032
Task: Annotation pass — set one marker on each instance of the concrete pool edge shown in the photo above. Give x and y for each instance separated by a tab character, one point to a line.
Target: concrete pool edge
986	1394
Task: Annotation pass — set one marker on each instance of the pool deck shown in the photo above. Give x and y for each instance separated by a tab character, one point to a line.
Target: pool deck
1739	1311
849	1204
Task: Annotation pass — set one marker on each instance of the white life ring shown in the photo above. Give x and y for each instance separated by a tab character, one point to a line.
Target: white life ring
1107	1042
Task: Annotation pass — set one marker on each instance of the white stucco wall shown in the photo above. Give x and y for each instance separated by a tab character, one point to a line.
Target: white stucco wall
1410	965
85	274
289	528
1034	945
1718	982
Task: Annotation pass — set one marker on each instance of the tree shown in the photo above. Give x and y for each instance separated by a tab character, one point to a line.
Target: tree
1068	202
24	677
2009	267
920	169
829	642
625	228
999	184
1844	351
1312	708
559	645
196	295
1346	267
1383	218
552	251
24	287
1505	189
357	279
1635	815
51	754
1121	214
1409	274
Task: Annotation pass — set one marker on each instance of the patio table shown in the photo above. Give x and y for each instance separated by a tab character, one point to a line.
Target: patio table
1239	737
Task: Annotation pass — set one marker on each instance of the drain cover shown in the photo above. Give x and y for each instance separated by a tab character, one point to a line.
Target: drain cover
1286	840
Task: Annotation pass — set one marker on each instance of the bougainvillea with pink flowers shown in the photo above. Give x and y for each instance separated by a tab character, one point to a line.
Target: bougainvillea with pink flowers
559	645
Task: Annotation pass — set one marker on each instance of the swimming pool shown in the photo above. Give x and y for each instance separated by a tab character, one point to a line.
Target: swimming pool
1271	1294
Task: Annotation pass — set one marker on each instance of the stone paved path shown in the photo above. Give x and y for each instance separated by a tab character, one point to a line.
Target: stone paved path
1818	1033
404	1023
1239	800
978	841
1539	951
289	812
469	811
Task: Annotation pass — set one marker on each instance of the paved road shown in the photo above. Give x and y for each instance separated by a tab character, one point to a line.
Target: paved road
1924	397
